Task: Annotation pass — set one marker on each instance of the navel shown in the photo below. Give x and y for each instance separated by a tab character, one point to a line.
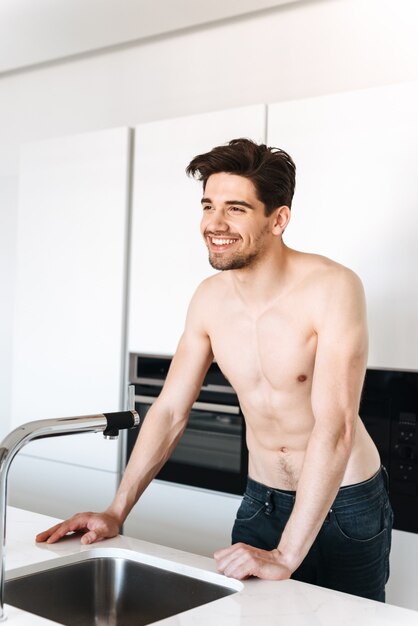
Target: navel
302	378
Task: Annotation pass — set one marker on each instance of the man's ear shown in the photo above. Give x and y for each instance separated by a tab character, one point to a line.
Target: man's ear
281	218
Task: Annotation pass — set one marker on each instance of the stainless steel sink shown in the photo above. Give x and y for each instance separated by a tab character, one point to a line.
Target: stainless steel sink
99	589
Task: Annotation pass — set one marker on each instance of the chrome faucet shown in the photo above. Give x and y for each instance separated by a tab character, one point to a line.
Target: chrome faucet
108	423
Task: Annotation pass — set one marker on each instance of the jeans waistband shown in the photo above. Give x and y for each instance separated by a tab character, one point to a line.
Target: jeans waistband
347	495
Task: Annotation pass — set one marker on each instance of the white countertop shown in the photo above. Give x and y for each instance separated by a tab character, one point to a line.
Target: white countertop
282	603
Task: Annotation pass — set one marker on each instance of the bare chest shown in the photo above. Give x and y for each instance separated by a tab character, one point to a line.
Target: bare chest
273	352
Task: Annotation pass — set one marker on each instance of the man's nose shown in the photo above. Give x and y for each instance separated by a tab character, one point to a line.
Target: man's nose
216	221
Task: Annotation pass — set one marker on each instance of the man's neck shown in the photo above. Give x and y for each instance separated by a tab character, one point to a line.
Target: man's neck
260	285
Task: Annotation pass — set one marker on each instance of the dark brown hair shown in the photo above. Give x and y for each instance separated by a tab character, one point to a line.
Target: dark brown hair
271	170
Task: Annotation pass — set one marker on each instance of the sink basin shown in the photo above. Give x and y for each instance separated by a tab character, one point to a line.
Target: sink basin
112	588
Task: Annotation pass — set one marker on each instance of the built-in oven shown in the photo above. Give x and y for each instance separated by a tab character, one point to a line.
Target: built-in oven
212	452
389	410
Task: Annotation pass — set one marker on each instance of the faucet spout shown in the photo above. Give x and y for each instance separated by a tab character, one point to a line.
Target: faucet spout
108	423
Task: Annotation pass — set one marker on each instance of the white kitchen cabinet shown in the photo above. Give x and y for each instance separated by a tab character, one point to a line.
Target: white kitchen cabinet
186	518
356	196
169	257
401	589
70	291
58	489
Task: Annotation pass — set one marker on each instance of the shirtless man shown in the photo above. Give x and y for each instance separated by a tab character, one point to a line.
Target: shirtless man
288	330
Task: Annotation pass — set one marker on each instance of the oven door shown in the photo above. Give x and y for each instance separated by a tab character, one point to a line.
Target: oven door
211	452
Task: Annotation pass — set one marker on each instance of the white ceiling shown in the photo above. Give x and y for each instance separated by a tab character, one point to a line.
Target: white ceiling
38	31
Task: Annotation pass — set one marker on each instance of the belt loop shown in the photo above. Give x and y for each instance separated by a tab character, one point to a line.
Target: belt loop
268	503
385	476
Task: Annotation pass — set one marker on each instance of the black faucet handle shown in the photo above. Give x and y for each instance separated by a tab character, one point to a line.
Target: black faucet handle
120	420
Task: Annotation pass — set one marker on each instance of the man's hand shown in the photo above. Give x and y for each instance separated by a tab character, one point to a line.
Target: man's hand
95	526
241	561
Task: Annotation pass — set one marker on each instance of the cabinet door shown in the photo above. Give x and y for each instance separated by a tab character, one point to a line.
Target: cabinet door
169	258
59	489
69	320
356	200
202	522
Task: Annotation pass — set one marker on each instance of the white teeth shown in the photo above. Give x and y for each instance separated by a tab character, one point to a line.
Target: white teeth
222	242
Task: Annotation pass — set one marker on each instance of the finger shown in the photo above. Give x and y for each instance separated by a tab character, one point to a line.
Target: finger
90	537
59	534
52	535
242	562
46	533
71	525
237	566
224	552
227	557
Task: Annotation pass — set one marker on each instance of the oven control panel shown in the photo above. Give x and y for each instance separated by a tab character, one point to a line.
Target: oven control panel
389	410
405	459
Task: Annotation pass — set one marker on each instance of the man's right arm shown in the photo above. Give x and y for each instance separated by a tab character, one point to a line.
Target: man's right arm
159	434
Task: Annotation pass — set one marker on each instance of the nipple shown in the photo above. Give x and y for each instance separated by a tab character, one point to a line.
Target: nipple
302	378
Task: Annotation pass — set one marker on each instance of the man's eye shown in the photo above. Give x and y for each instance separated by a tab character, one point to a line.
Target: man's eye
206	207
236	209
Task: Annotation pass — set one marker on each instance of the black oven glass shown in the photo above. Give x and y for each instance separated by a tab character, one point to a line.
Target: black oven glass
210	454
212	451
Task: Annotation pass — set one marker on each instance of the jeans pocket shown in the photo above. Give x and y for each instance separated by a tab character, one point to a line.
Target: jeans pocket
361	526
356	566
249	509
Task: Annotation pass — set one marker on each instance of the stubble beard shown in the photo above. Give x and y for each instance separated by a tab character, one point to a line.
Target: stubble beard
236	262
239	260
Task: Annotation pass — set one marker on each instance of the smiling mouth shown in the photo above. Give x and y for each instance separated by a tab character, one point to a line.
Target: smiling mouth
220	243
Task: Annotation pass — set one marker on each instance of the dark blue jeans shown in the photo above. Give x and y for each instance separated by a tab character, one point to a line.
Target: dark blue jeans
350	552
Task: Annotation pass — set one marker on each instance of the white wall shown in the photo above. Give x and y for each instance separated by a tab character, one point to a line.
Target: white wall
26	27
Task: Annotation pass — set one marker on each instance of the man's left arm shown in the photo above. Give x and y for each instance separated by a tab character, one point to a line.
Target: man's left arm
340	364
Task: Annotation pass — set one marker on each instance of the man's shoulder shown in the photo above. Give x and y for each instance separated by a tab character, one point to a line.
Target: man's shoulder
331	288
209	292
326	271
326	284
205	303
211	287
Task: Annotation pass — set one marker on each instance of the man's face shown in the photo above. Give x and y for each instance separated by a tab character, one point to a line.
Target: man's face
234	225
